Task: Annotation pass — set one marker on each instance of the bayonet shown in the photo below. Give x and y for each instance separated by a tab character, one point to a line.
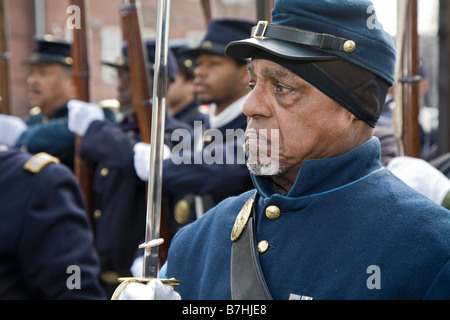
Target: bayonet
150	268
154	200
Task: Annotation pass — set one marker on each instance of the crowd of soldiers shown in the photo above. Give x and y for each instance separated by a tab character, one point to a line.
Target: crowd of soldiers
334	208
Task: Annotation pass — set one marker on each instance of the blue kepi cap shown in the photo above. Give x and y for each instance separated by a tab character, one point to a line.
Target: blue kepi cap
323	30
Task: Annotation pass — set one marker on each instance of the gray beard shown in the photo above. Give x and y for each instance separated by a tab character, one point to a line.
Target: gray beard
261	169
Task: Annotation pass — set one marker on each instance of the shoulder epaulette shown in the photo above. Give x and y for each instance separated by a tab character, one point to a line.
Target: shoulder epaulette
39	162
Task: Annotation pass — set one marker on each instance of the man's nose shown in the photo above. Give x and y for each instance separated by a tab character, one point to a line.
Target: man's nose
31	79
257	104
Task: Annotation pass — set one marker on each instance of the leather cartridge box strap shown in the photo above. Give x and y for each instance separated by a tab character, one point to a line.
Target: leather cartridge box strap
247	279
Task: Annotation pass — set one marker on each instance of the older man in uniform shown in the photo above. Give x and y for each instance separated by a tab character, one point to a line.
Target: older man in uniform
331	222
50	87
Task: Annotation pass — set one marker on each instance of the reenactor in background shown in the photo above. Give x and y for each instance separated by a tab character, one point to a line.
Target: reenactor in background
46	245
181	98
50	87
222	82
119	196
329	222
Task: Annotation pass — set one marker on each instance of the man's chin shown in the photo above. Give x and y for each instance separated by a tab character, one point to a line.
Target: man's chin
265	170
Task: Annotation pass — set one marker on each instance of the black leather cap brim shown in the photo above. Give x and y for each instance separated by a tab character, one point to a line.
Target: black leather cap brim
248	47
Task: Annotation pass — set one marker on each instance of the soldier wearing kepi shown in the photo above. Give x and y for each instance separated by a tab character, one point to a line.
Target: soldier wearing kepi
331	223
181	98
50	86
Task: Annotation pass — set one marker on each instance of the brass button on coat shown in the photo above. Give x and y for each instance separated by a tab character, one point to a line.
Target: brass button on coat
97	214
104	172
182	211
273	212
263	246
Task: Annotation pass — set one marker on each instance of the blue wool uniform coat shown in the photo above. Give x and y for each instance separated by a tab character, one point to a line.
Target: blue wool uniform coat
43	231
348	229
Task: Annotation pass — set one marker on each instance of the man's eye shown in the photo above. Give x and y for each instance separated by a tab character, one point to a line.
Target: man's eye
283	89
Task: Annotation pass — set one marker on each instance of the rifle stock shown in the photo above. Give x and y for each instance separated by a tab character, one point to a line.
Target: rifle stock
406	120
137	57
4	57
82	168
206	7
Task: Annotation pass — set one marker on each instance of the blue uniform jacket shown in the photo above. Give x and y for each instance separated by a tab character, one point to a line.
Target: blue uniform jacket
43	231
349	229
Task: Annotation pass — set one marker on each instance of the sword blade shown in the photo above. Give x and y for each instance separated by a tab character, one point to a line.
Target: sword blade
151	267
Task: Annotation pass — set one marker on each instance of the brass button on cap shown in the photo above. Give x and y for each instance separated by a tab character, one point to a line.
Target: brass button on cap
349	46
273	212
263	246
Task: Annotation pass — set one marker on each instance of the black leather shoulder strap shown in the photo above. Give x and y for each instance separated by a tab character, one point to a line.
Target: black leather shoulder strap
247	279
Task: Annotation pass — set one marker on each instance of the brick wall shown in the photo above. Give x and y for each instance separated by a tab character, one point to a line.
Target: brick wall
187	21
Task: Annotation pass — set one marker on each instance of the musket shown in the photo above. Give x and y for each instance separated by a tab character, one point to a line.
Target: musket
138	60
4	58
206	7
264	9
82	168
443	83
406	91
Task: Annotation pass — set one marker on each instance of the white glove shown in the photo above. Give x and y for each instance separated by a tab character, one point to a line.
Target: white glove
82	114
421	176
137	266
11	128
142	159
153	290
